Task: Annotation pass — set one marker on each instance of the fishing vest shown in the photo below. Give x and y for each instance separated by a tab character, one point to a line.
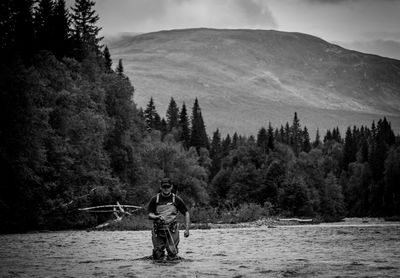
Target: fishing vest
168	211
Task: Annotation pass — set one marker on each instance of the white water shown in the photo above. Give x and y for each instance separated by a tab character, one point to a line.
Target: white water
289	251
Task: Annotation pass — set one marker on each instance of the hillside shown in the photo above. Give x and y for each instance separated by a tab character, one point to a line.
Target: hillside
246	78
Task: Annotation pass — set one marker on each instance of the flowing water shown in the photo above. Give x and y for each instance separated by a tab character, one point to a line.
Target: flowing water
326	250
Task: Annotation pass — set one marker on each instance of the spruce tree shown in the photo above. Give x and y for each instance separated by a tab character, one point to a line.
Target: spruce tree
184	126
120	67
317	141
235	141
295	135
349	149
226	145
271	144
215	154
172	115
262	140
44	24
198	136
287	134
151	116
62	38
86	32
23	37
107	60
306	146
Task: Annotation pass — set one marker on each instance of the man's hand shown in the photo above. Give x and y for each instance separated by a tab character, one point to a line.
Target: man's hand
186	234
160	218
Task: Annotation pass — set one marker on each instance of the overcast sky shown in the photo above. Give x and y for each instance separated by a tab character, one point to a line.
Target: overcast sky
371	26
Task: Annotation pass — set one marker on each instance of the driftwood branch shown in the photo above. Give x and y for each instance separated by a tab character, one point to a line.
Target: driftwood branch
110	206
296	219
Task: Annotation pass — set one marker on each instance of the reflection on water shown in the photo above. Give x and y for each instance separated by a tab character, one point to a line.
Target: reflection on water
288	251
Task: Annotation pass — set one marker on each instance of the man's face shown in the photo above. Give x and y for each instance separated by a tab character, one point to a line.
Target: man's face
166	189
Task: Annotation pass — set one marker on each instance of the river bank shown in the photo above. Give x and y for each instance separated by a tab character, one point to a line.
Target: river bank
128	224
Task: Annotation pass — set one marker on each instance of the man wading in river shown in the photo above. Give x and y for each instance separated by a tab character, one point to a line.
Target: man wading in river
163	209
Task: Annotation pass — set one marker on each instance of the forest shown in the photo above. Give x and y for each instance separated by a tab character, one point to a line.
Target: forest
72	136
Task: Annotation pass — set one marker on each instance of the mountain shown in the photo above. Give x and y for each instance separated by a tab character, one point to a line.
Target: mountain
247	78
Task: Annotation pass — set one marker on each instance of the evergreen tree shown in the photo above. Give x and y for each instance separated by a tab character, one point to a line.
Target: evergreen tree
184	126
108	61
282	134
271	144
23	32
44	24
287	134
306	147
391	201
151	116
86	32
198	136
120	68
328	137
61	23
226	145
317	141
172	115
349	149
163	128
235	141
215	153
262	140
295	135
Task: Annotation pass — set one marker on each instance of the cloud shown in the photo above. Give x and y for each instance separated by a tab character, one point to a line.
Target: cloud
343	1
153	15
386	48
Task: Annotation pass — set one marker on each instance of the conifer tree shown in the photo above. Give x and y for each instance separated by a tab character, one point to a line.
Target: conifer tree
108	61
328	137
120	67
86	32
61	22
262	140
172	115
271	144
295	135
306	146
349	149
184	126
44	24
235	141
287	134
198	136
226	145
151	116
215	153
282	134
22	36
163	128
317	141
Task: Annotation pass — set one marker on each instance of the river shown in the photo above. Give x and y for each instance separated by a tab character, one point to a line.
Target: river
325	250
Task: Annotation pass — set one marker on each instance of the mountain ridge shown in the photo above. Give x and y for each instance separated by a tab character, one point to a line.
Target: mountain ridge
247	78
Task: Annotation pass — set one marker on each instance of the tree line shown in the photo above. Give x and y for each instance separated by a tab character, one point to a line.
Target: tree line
72	136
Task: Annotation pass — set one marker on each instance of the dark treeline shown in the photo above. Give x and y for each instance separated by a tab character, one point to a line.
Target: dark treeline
71	136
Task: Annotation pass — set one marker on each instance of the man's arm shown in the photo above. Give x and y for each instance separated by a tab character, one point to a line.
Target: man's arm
153	216
152	211
187	223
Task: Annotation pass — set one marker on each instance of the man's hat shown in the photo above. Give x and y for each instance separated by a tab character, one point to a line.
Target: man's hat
165	182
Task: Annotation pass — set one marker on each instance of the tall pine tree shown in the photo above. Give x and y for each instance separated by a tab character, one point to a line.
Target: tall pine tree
172	115
184	126
86	33
198	136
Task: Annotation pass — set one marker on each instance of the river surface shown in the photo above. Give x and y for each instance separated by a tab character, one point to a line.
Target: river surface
325	250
